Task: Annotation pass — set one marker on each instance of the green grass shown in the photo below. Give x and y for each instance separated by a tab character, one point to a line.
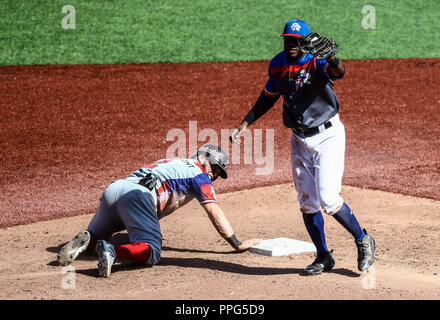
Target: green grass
135	31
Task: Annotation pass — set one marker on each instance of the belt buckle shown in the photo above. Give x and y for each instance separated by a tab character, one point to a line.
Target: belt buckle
299	130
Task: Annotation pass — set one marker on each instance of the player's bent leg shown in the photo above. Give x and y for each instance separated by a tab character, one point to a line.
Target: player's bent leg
364	242
137	210
108	254
347	219
329	167
136	252
106	220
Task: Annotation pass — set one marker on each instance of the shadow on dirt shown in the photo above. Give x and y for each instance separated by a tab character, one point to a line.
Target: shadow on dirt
122	238
241	269
217	266
166	248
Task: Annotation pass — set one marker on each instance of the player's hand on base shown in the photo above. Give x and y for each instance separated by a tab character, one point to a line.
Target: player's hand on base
237	132
247	244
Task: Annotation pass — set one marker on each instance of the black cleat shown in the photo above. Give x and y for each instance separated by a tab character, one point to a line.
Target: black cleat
324	262
365	249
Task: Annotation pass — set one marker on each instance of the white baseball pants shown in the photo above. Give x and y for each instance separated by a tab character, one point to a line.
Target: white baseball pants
318	167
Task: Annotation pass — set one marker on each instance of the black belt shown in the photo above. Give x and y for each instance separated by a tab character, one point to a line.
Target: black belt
308	132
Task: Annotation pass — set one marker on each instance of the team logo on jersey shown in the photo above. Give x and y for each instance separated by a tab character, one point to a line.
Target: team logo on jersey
303	78
295	26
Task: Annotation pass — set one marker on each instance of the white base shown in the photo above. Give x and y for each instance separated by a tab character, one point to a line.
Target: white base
281	247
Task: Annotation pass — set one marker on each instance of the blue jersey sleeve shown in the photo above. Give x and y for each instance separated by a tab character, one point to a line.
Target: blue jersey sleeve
203	189
270	89
322	66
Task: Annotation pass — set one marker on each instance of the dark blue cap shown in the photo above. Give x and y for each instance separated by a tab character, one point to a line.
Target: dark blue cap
296	28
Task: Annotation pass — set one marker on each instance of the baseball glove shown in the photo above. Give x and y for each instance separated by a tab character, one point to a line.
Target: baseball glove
321	47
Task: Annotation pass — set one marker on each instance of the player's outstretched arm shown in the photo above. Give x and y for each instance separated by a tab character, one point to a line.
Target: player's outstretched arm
263	104
237	132
224	228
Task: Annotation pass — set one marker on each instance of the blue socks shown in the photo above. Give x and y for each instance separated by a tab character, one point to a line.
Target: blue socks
314	223
315	226
347	219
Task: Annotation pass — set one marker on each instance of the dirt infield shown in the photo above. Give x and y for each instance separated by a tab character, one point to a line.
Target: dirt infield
198	264
68	131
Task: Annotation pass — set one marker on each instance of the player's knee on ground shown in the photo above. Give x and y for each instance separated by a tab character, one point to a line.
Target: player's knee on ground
154	257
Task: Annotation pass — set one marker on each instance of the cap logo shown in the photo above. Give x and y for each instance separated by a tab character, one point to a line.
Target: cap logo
295	26
214	152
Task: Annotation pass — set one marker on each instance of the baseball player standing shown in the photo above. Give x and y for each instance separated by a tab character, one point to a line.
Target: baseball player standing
303	74
138	202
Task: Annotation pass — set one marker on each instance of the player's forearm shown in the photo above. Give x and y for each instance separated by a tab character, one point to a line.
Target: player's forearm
336	67
261	106
220	222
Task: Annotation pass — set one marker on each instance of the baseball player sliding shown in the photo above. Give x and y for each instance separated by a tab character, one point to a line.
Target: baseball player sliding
138	202
303	74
